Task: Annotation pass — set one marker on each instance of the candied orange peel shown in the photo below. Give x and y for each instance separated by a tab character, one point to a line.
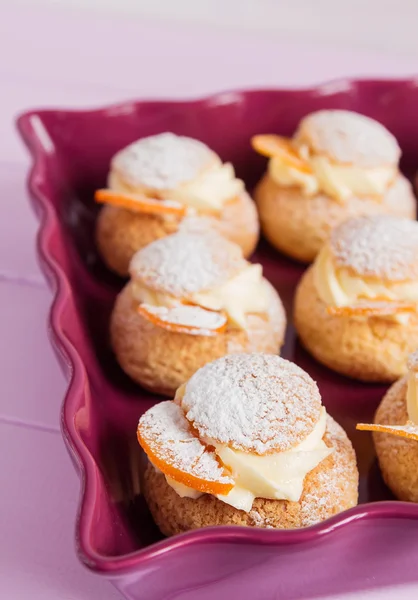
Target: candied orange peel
140	203
408	431
276	145
373	308
186	318
171	446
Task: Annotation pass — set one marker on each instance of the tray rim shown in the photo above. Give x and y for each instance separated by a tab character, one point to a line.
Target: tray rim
76	375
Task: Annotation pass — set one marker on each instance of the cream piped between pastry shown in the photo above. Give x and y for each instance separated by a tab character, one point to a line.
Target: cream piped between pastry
275	476
337	180
243	294
208	191
338	286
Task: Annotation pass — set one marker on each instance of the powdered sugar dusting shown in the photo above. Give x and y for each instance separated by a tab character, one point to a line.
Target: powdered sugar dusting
381	246
186	262
410	428
196	318
334	485
167	432
349	137
259	520
193	223
163	161
413	361
252	402
316	504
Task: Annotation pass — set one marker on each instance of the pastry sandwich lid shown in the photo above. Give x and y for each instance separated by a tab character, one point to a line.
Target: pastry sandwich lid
187	262
258	403
171	445
377	247
349	137
163	161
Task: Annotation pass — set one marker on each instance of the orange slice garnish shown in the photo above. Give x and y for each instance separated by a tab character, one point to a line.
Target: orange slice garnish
276	145
168	440
140	203
374	308
185	318
409	431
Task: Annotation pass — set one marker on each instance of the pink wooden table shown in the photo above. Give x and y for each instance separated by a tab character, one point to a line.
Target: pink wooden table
60	59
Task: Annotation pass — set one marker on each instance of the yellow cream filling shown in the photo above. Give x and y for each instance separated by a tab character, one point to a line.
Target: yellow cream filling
337	180
277	476
209	191
184	491
339	287
243	294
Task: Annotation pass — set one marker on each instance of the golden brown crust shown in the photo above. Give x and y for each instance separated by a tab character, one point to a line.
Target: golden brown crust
161	360
239	223
120	232
398	457
298	225
371	350
329	489
413	361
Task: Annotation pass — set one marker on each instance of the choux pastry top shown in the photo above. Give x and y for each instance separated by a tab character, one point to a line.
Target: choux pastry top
198	280
336	152
369	267
170	174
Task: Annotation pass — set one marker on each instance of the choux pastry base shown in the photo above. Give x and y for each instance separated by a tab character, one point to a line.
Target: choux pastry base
239	223
298	225
398	457
120	232
369	350
161	360
329	489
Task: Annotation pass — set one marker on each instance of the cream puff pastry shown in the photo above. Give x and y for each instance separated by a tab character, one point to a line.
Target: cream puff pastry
338	165
356	306
159	181
395	434
246	441
192	298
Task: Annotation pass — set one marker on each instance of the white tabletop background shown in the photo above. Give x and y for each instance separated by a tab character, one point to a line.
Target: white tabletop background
322	39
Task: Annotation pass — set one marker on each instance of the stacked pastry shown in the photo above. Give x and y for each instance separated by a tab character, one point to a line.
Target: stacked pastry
356	307
338	165
246	441
158	182
192	298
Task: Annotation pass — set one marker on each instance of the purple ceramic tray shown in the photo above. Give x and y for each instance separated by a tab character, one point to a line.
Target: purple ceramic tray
373	544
